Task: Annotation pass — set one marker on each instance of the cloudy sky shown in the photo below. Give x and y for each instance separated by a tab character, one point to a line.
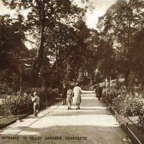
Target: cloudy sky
96	8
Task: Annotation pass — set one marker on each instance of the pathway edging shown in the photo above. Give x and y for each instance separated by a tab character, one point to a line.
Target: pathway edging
22	117
124	126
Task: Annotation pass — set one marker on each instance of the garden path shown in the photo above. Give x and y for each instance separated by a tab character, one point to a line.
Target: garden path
92	124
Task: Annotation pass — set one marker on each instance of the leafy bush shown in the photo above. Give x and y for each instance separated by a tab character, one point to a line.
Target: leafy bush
134	107
14	103
49	93
5	89
22	103
127	102
113	92
118	103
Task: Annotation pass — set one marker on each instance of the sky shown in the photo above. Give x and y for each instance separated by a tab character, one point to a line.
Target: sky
96	8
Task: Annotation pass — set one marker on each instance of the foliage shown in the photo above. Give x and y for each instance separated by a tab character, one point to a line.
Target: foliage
137	52
60	32
126	102
46	92
11	43
16	103
128	105
121	23
42	18
12	51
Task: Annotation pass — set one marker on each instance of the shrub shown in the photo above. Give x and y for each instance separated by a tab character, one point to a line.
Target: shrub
4	88
22	103
48	93
113	92
128	104
134	107
118	103
14	103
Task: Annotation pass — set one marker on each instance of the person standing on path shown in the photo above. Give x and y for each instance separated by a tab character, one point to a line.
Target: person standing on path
69	97
64	93
36	103
98	91
77	96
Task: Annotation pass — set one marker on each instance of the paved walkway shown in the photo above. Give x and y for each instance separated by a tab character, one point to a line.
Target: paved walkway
92	124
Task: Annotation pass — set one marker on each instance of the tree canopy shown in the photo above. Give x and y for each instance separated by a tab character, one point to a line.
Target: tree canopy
65	49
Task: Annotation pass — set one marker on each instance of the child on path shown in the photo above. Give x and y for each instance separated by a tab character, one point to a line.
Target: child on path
69	97
36	103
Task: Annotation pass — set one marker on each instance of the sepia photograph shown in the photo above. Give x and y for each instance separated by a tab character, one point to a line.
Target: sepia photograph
72	71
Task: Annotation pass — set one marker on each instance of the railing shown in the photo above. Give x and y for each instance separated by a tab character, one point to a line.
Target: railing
126	125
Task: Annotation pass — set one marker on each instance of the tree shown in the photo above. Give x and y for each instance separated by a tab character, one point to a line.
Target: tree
44	15
12	51
137	53
120	24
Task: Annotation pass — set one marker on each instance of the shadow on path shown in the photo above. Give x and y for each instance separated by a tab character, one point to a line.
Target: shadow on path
70	134
93	124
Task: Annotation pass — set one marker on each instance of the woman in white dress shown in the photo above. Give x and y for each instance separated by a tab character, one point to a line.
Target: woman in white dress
77	96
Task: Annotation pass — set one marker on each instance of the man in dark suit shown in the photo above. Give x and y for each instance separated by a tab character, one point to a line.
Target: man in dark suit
64	93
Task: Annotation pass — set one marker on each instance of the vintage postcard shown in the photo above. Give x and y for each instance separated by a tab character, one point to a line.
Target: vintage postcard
71	71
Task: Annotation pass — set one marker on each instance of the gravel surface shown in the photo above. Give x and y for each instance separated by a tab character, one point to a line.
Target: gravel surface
92	124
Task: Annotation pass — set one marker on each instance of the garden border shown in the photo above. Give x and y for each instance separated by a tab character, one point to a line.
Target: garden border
124	126
20	118
5	125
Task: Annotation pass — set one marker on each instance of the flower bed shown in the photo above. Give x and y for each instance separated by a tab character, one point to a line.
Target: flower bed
128	105
16	103
126	102
22	104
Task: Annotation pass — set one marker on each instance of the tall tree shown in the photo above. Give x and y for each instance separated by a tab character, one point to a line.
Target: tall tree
43	15
12	50
120	24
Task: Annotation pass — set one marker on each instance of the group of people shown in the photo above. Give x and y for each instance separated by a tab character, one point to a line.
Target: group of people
72	96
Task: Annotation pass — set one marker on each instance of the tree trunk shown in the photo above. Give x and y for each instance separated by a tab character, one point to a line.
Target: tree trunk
57	67
39	59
